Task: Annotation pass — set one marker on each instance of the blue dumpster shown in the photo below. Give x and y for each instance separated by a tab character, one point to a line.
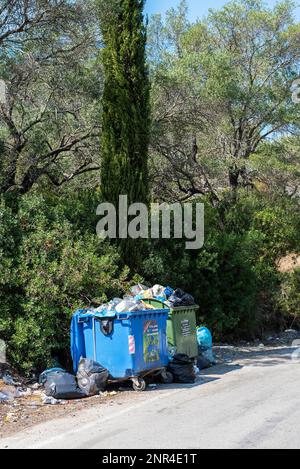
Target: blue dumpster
130	345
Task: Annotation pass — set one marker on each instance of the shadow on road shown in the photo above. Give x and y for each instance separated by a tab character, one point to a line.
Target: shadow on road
268	356
243	357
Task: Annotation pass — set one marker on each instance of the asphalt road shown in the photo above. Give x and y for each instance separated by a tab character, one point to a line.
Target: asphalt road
251	405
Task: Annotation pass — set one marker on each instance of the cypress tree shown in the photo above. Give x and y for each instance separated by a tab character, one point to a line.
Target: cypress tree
125	119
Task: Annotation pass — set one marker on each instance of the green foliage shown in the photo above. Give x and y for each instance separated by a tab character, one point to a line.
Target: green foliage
9	293
234	278
219	89
55	270
288	297
52	263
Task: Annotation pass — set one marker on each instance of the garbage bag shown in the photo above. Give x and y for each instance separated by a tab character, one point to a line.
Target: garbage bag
113	303
182	369
204	338
91	377
61	385
44	376
169	291
147	294
107	309
206	359
158	291
138	289
203	363
129	304
180	298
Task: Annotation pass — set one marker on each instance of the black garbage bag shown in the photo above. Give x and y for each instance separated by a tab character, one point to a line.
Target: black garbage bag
91	377
203	362
182	369
206	357
180	298
61	385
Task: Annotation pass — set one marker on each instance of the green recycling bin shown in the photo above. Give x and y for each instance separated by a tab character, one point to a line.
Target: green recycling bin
181	327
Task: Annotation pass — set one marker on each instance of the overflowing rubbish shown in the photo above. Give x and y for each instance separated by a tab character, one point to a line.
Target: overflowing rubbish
159	292
91	377
173	298
125	340
137	289
129	304
206	358
180	298
61	385
119	305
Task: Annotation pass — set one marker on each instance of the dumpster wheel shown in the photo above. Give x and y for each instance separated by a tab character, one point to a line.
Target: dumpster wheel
167	377
139	384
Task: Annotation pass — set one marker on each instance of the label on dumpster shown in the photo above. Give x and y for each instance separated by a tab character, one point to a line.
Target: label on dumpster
131	344
151	341
185	328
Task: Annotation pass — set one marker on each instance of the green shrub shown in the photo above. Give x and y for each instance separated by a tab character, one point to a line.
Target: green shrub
52	263
234	276
288	298
58	270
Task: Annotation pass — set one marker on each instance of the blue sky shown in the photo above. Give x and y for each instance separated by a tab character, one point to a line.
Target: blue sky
197	8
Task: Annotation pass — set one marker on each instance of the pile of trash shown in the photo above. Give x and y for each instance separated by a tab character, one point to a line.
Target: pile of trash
12	388
59	385
134	301
169	296
118	306
56	385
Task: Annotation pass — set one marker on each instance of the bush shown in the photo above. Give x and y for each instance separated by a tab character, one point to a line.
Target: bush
234	276
58	270
9	283
288	298
52	263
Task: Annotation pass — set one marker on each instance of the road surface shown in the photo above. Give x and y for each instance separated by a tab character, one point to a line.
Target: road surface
253	404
